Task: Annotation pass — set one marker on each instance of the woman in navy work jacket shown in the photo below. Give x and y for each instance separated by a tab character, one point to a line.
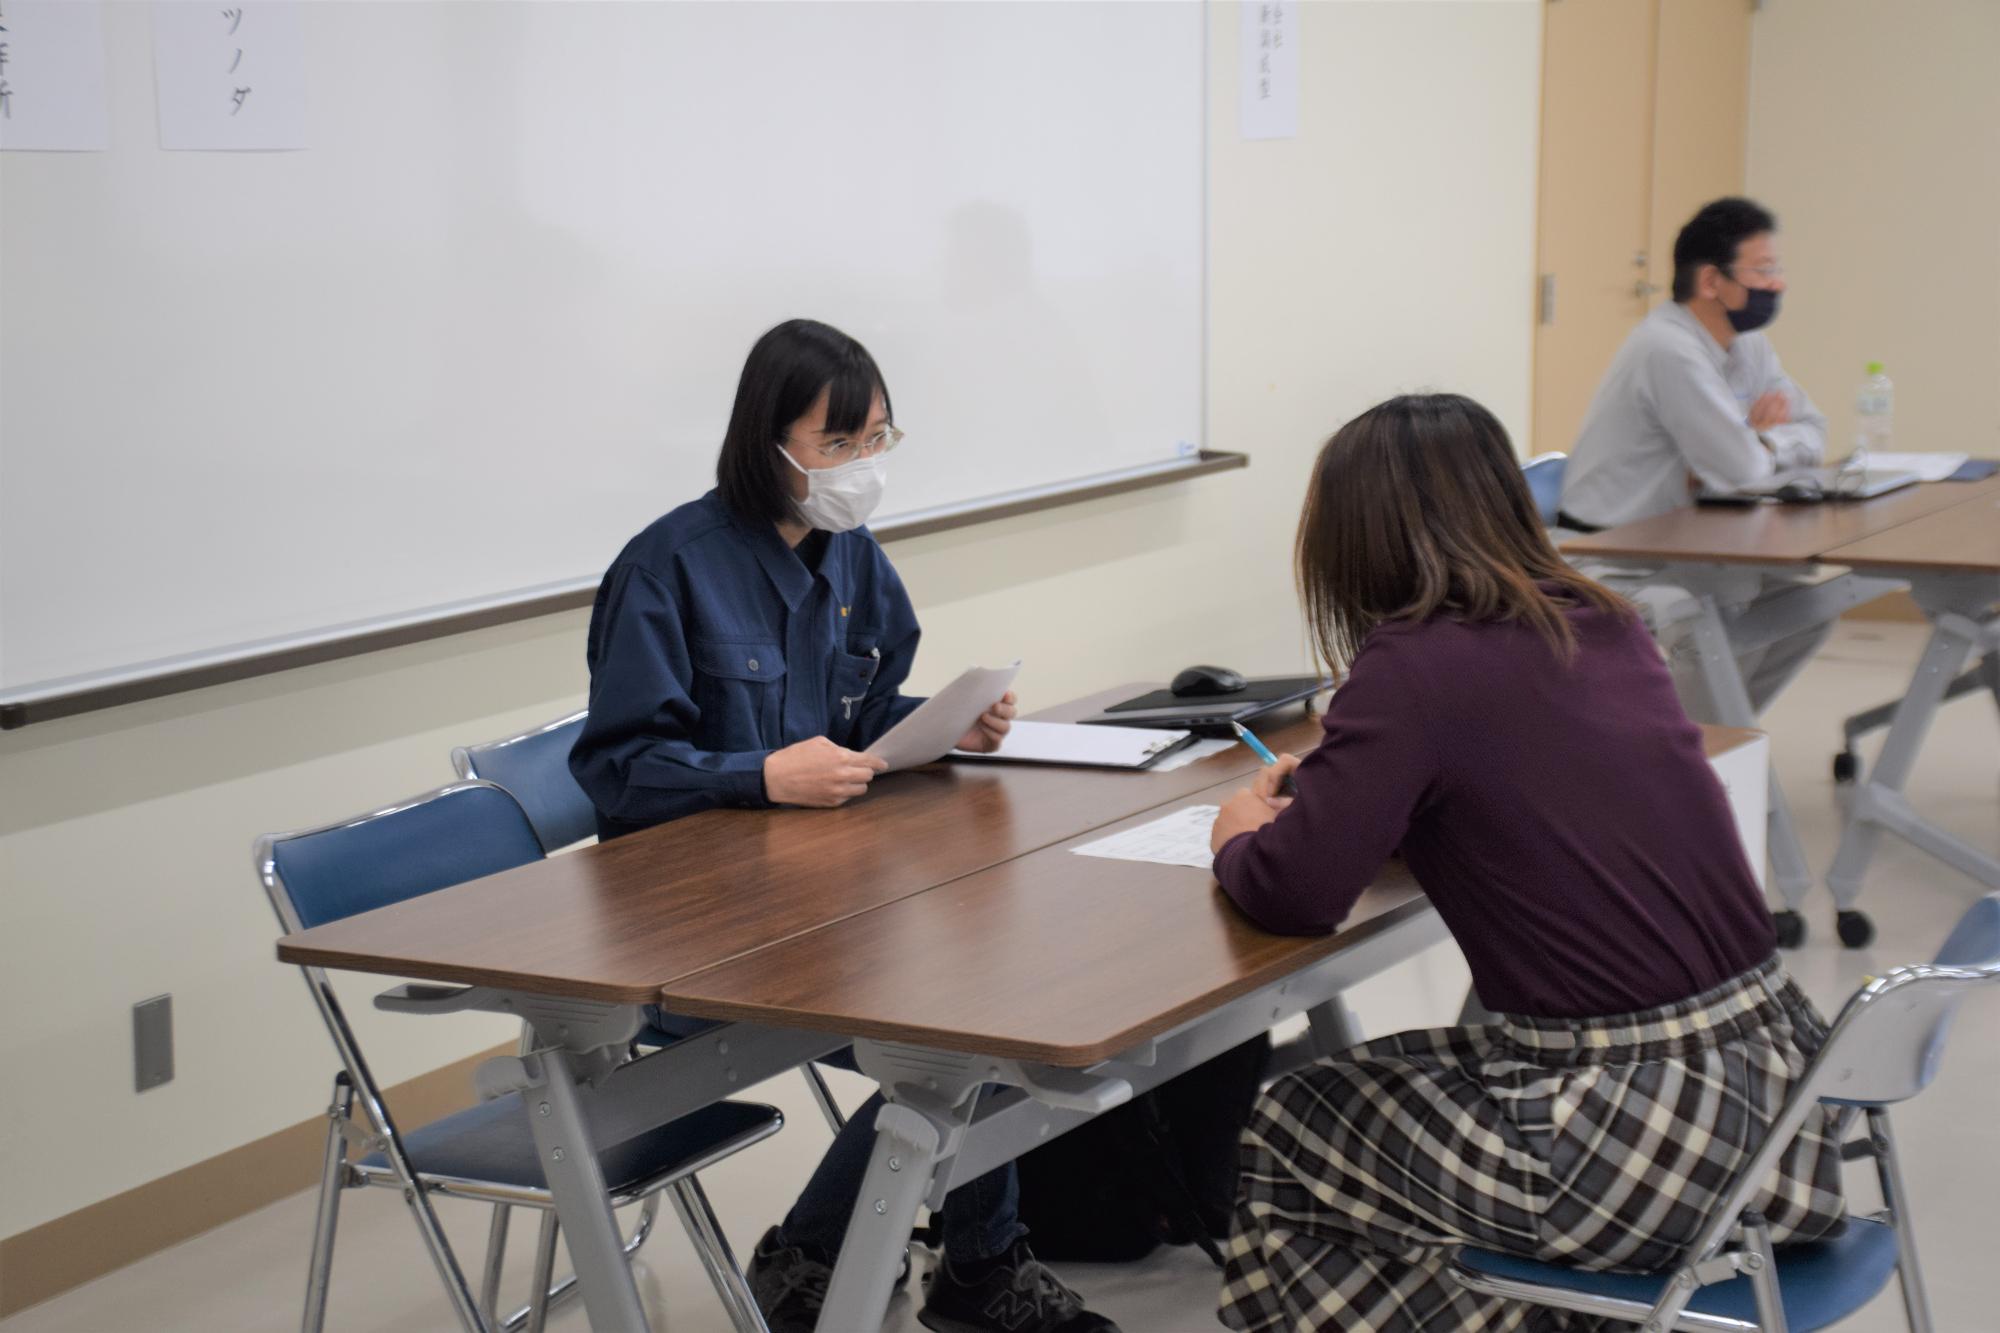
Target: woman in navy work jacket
745	650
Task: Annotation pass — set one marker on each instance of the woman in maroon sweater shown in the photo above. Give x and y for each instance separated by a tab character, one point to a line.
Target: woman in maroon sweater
1508	727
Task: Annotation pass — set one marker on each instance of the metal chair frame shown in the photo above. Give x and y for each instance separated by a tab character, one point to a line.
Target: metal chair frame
376	1132
1882	1049
465	760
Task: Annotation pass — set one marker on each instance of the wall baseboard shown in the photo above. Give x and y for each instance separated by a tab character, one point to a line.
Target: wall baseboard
1896	606
60	1255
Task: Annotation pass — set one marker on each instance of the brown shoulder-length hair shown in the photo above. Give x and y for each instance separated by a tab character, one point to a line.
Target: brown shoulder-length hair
1418	508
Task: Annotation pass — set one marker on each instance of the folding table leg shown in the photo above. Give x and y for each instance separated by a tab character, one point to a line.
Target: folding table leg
1879	804
1334	1027
1729	706
569	1160
908	1145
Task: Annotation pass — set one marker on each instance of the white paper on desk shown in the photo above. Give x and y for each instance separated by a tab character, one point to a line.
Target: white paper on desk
52	77
944	718
1189	754
1178	839
1928	467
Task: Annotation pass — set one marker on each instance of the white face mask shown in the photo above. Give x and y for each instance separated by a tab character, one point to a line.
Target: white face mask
840	499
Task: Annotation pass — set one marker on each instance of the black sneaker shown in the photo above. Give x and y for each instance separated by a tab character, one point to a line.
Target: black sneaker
788	1284
1017	1295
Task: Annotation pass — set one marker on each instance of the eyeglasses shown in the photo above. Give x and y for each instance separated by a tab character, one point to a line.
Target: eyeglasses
846	451
1766	272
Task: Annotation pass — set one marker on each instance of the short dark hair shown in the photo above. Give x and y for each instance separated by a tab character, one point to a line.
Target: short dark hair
1418	508
784	373
1711	237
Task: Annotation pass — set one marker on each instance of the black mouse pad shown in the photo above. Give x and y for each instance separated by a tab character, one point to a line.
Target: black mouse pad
1268	689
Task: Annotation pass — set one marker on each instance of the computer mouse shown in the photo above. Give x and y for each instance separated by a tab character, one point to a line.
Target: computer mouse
1806	490
1201	681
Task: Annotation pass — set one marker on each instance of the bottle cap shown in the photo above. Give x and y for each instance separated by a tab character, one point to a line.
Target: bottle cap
1874	367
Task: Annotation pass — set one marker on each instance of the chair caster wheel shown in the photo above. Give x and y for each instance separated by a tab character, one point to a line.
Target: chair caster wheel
1845	766
1791	928
1856	930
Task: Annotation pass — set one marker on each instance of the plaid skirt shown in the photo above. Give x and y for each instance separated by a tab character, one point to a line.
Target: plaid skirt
1601	1143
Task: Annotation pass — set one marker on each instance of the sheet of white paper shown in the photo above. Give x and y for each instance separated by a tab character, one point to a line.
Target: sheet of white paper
1074	743
232	75
1928	467
944	718
1187	754
1178	839
52	76
1270	69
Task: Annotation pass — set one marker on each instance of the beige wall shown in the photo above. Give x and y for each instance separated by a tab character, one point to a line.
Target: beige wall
1875	137
1390	247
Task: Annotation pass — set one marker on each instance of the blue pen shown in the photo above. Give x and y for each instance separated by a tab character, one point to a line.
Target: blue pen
1258	748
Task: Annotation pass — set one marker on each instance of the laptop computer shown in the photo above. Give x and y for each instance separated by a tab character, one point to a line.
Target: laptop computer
1811	485
1211	715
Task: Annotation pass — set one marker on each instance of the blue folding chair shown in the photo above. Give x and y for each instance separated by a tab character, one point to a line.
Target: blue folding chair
534	767
487	1153
1883	1049
1545	483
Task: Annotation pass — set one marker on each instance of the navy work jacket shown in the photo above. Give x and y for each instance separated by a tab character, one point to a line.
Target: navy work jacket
712	643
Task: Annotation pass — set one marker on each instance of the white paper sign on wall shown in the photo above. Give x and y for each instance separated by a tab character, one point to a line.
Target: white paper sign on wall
232	75
1270	77
52	76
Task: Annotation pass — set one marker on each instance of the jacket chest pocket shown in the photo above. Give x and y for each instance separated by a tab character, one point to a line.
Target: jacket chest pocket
739	688
853	675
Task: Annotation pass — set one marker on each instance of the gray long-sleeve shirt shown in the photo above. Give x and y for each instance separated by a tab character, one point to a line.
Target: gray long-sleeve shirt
1676	402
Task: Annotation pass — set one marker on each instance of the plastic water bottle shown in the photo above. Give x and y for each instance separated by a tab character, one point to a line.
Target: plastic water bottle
1874	407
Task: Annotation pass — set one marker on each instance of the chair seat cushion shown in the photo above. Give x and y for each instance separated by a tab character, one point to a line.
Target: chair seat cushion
1822	1281
492	1143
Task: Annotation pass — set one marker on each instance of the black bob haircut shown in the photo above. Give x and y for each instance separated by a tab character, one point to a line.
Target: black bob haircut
782	377
1711	237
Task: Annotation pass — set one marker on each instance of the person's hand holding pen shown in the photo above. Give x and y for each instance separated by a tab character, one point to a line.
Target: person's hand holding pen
1259	803
1274	784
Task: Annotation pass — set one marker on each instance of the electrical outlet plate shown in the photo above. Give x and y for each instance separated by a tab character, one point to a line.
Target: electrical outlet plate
152	1042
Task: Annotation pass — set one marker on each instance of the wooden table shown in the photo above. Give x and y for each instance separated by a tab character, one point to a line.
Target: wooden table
1952	560
998	987
617	922
1751	576
1772	534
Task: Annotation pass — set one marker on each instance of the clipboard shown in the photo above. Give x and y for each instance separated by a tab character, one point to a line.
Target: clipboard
1073	744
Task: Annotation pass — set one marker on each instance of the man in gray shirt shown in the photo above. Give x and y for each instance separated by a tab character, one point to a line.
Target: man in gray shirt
1696	397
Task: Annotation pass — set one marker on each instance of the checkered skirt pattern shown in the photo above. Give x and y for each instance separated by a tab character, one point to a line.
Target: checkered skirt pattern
1601	1143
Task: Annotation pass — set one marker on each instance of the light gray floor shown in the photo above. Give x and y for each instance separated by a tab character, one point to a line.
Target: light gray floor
249	1274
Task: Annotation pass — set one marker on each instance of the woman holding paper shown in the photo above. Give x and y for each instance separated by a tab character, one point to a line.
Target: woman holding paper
745	650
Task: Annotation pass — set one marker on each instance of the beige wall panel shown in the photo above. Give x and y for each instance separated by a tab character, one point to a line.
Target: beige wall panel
1597	130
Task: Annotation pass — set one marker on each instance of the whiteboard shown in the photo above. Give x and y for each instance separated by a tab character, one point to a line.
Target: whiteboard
488	324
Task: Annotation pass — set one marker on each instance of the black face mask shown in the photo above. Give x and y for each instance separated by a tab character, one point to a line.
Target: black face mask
1759	310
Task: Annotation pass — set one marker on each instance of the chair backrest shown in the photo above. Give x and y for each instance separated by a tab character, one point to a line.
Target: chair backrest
1883	1048
534	766
418	846
1545	483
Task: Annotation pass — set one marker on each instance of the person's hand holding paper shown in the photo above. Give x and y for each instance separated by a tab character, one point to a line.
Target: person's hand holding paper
990	729
964	715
